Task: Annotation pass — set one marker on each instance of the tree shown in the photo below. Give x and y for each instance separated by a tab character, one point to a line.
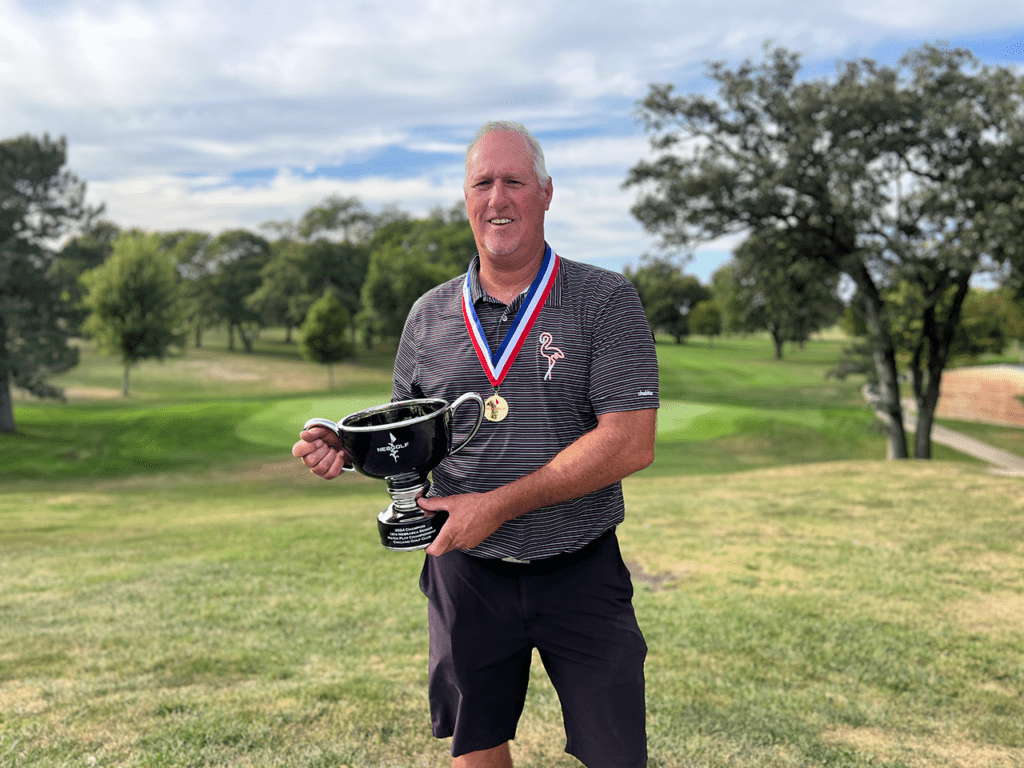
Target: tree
190	251
79	254
234	260
328	248
985	320
337	218
407	259
706	319
779	287
322	336
340	266
134	302
40	203
283	297
885	174
668	295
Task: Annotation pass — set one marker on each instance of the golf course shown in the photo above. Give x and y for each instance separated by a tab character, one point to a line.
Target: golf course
177	590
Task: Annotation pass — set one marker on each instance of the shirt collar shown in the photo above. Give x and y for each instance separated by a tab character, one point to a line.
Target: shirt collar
478	294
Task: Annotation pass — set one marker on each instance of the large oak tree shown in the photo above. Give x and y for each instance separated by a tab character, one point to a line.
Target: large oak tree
906	173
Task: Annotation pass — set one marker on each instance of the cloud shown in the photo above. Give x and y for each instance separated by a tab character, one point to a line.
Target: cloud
203	115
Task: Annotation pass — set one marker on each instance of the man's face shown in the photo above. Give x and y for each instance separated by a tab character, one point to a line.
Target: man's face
504	199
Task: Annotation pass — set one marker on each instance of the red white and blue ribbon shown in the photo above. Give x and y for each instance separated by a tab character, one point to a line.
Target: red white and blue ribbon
497	364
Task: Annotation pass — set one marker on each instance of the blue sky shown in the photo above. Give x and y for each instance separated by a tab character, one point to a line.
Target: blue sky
185	114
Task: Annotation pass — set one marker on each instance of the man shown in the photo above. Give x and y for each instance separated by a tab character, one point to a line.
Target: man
528	558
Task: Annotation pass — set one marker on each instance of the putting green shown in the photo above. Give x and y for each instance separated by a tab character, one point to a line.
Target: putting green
681	420
281	423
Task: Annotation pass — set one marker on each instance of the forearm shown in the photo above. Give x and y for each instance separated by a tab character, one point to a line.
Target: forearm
595	460
622	444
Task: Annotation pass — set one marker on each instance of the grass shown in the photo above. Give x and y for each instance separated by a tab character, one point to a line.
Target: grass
833	614
175	591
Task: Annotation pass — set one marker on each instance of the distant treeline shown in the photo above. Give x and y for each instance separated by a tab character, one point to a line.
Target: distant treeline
376	264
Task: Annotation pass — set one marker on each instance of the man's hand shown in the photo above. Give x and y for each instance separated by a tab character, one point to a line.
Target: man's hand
472	517
320	450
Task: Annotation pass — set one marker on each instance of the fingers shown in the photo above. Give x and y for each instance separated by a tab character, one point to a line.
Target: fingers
328	436
443	543
316	453
432	503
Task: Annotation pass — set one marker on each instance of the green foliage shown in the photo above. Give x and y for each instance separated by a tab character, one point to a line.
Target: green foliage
407	259
343	219
40	201
134	302
667	293
706	318
338	266
81	253
234	261
779	285
283	297
990	320
188	249
322	338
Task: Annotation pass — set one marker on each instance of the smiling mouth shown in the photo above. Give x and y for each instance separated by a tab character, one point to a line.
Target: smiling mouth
499	221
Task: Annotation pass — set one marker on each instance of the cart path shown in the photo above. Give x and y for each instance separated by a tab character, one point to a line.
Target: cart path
1002	461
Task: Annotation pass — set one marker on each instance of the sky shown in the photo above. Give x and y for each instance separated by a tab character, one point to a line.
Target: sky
213	116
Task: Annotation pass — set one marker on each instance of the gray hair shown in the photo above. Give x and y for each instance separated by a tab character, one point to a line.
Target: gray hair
495	126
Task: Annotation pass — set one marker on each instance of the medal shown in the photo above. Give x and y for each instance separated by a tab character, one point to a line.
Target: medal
495	407
497	364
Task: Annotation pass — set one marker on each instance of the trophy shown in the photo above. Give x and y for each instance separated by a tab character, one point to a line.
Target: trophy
400	443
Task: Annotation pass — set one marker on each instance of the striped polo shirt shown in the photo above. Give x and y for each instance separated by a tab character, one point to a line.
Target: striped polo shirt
589	352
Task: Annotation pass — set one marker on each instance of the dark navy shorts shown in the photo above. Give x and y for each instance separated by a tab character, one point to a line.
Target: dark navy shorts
486	616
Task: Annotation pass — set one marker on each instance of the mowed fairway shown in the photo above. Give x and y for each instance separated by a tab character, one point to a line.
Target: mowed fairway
175	591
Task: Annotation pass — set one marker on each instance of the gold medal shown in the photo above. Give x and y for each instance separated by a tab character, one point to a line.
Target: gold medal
495	407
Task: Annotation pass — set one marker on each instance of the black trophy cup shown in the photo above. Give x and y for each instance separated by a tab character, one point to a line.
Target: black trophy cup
400	443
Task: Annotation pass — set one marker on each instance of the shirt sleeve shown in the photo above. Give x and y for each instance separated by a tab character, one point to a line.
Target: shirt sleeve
624	363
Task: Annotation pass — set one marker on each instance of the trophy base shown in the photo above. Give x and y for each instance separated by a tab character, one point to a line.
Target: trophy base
410	533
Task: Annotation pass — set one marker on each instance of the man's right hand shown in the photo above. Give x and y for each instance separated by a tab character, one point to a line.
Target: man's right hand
320	450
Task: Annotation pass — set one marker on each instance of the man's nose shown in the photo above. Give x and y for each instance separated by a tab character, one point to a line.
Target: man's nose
498	194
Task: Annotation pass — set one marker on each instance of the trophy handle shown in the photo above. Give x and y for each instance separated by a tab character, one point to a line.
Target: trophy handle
479	417
334	428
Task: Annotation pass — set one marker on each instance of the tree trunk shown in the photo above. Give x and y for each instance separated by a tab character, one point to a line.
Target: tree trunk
884	356
124	382
247	339
936	337
7	425
778	341
199	336
231	337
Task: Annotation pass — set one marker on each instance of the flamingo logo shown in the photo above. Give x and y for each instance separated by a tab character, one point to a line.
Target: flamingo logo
553	354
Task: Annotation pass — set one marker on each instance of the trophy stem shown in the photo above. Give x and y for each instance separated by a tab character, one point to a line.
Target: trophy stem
403	526
404	490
